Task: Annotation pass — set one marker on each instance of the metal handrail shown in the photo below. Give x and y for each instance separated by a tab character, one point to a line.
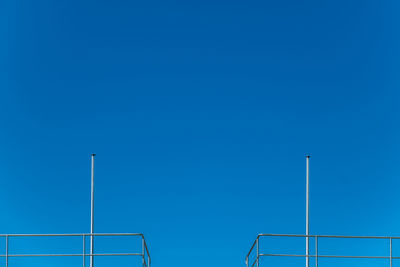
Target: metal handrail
143	254
332	236
75	234
317	255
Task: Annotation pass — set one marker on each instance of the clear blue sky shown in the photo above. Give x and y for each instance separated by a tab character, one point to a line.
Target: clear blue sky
200	113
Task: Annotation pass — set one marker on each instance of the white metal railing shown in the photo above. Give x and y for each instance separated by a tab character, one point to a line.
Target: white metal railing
144	253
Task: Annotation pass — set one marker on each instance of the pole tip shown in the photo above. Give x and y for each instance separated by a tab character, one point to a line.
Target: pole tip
93	155
308	156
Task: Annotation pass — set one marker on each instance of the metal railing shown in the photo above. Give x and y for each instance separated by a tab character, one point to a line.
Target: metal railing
316	254
144	253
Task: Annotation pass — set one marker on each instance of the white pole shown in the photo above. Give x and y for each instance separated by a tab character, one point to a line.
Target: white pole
92	212
307	208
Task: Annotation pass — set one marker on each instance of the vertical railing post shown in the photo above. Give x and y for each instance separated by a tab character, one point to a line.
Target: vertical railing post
258	251
390	244
316	251
83	250
143	249
6	250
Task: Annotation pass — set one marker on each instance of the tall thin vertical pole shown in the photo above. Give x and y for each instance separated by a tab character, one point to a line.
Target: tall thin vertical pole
92	213
307	208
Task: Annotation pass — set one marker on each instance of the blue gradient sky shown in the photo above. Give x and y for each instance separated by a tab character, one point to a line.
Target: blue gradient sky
200	113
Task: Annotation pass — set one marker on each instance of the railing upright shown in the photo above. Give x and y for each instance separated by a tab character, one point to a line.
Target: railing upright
143	251
258	252
390	245
6	250
83	249
316	251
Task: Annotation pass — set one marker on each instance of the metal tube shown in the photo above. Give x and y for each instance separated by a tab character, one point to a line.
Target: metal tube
329	256
143	251
258	252
390	244
92	213
98	234
307	208
83	251
6	250
316	251
75	255
324	236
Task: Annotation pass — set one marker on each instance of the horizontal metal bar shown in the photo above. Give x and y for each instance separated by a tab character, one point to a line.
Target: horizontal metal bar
328	236
328	256
97	234
72	255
